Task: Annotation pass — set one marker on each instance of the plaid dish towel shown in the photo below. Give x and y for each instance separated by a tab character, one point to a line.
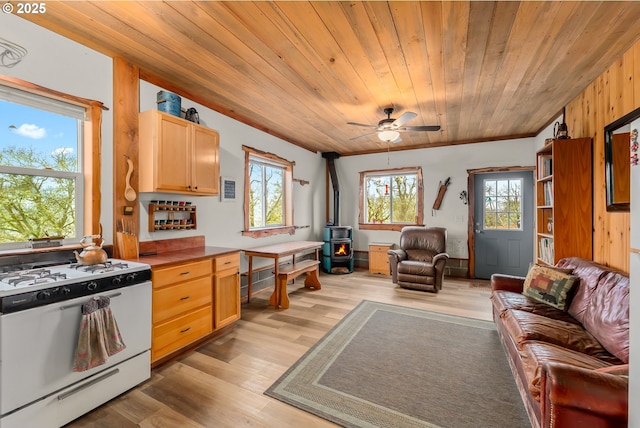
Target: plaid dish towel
99	336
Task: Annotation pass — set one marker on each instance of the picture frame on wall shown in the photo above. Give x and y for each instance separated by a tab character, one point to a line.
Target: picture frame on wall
228	189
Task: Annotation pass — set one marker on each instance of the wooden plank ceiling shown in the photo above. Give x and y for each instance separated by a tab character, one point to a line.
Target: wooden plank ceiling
301	70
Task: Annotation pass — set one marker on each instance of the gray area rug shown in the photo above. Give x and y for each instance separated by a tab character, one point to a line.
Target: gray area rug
390	366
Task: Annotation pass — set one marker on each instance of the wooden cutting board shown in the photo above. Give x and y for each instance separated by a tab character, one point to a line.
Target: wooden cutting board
127	245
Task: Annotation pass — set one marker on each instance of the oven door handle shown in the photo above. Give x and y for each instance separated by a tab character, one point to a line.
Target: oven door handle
62	308
87	385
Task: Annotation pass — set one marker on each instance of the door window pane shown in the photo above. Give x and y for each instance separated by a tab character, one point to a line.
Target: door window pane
503	204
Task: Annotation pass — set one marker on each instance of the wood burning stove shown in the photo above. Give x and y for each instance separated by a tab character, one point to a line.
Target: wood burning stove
337	250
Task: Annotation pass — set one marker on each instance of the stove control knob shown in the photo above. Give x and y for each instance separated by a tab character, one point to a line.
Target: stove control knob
92	285
43	295
65	290
131	277
116	280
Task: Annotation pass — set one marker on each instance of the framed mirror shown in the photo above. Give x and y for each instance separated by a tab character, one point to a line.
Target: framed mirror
617	162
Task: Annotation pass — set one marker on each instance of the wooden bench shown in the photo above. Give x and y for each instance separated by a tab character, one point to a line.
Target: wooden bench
310	267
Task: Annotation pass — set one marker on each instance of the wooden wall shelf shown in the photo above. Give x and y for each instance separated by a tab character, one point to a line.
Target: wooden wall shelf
171	217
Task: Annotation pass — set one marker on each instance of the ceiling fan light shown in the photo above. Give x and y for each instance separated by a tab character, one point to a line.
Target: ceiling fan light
388	135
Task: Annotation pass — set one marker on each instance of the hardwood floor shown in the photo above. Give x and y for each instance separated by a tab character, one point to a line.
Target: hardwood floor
222	383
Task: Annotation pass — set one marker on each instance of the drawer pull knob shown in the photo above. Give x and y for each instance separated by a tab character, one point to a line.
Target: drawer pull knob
185	298
185	273
227	263
185	330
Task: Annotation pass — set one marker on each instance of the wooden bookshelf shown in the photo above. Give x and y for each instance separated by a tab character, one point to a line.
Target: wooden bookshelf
564	200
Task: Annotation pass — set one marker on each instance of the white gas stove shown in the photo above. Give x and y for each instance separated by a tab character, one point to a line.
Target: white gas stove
40	313
25	286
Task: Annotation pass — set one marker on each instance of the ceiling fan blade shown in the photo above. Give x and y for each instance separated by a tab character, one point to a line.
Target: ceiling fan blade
363	135
406	117
362	124
420	128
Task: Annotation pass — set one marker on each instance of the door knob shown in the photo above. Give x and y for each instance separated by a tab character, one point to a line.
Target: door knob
478	231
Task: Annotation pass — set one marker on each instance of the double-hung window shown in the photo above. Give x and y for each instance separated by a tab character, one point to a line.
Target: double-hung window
391	198
42	177
268	192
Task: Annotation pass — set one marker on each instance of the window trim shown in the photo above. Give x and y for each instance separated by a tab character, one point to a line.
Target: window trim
287	188
391	226
91	151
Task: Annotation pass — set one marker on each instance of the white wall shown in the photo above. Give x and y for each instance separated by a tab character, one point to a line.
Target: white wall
60	64
437	164
222	222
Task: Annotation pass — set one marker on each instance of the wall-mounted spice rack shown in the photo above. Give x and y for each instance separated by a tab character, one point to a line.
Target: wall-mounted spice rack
171	215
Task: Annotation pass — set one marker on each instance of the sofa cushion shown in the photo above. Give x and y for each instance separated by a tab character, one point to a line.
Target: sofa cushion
535	354
549	286
607	317
590	274
504	300
412	267
524	326
420	255
618	370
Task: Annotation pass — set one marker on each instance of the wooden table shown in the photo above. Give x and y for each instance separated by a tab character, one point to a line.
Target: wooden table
276	252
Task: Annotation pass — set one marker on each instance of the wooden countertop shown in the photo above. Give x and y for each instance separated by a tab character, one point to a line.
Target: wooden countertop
185	255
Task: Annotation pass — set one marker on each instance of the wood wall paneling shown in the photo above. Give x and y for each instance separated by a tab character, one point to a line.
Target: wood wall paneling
613	94
126	107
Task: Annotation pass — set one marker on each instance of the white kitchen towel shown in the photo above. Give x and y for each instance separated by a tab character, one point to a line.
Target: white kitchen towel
99	336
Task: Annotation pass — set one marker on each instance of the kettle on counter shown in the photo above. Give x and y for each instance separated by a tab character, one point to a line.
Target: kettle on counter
560	131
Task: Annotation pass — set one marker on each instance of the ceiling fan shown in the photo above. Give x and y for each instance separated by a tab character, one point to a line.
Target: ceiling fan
389	129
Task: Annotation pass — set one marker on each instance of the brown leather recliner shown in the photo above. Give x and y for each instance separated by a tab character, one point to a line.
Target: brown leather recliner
420	260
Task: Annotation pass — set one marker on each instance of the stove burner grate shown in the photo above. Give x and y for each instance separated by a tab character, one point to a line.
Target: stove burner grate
107	266
38	276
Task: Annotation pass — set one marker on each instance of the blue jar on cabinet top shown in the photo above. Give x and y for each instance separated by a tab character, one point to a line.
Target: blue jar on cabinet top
169	102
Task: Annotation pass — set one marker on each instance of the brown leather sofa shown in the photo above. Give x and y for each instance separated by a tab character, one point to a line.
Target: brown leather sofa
419	262
571	367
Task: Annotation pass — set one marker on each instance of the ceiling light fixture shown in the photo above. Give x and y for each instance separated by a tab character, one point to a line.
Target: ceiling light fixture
388	135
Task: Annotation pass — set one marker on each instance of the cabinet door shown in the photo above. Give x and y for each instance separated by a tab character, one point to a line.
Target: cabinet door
226	297
205	164
172	172
379	259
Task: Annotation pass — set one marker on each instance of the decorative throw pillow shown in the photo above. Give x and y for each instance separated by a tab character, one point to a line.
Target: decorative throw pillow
550	286
535	269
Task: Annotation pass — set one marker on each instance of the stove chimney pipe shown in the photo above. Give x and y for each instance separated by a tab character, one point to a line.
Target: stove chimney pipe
330	157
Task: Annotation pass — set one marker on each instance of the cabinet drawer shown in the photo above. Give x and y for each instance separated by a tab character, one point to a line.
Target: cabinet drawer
176	299
226	262
379	248
184	272
179	332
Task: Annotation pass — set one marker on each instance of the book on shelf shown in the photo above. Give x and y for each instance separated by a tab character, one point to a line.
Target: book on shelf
545	166
546	250
548	193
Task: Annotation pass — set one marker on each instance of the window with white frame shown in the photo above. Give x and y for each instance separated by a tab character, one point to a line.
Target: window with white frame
391	198
41	177
503	204
268	193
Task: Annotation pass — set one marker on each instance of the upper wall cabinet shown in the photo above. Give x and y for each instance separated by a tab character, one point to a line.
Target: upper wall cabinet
177	156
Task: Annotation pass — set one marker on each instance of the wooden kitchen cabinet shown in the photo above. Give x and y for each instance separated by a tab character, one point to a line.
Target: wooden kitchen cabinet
379	259
177	156
192	300
181	306
226	290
